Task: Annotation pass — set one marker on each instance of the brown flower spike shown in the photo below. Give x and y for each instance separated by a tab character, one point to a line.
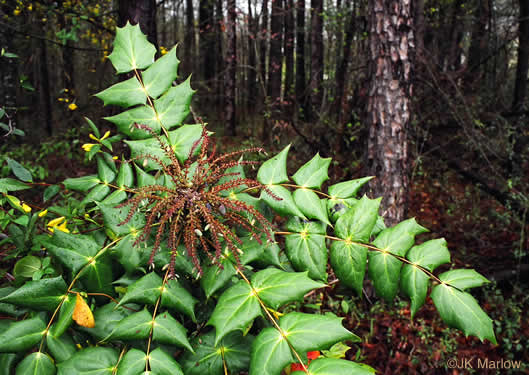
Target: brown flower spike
195	207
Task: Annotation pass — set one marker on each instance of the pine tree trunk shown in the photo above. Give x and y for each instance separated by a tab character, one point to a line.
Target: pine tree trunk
190	41
231	60
301	83
523	57
391	55
275	62
207	41
142	12
341	70
316	61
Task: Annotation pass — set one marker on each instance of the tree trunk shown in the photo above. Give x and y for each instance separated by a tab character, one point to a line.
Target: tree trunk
289	47
264	44
301	85
44	88
252	73
142	12
316	61
523	58
391	53
220	63
478	44
190	41
231	60
275	62
341	69
207	41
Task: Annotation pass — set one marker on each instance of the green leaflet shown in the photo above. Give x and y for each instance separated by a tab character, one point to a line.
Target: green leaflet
146	290
21	335
270	353
414	283
83	184
310	205
72	250
173	106
141	115
215	278
115	198
133	327
106	317
347	189
460	310
62	348
463	278
182	140
97	194
132	363
125	176
236	309
430	254
266	253
10	184
99	275
400	238
124	94
65	316
349	264
308	252
131	50
162	363
36	363
19	171
207	358
160	75
176	297
313	173
285	204
104	171
90	361
144	179
274	170
358	222
131	257
44	294
384	271
333	366
338	206
167	330
7	363
276	287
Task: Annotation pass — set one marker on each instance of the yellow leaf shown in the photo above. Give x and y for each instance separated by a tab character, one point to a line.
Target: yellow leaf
82	313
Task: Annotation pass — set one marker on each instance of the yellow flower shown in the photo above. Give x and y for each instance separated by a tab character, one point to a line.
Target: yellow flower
59	223
26	208
105	136
16	12
91	136
43	213
88	146
163	50
72	107
56	221
30	7
63	228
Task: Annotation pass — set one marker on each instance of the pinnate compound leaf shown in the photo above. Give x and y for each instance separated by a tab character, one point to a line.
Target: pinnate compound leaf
36	364
132	363
145	290
347	189
83	183
357	223
173	106
236	309
124	94
22	335
167	330
160	75
162	363
133	327
131	50
460	310
285	205
310	205
90	361
313	173
334	366
274	170
270	353
463	278
176	297
349	264
276	287
44	294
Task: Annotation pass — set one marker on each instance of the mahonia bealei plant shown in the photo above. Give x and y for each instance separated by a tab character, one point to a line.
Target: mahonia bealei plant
170	257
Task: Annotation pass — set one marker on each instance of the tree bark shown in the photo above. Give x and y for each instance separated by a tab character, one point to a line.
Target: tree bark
221	28
190	40
264	44
231	60
275	62
391	55
207	41
478	44
301	83
142	12
44	88
341	69
289	47
523	58
252	62
316	61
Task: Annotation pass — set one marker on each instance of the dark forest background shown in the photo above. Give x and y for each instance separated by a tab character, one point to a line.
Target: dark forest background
429	96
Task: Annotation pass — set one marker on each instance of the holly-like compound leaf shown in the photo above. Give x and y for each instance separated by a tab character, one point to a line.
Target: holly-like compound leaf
207	358
90	361
176	297
236	309
349	261
463	278
160	75
274	170
162	363
282	201
133	327
83	184
36	363
384	269
276	287
307	332
460	310
347	189
313	173
145	290
173	106
132	363
270	353
22	335
333	366
414	282
310	205
358	222
131	50
125	94
44	294
167	330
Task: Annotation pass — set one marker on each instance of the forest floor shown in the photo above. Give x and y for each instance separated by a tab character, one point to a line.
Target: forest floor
481	234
